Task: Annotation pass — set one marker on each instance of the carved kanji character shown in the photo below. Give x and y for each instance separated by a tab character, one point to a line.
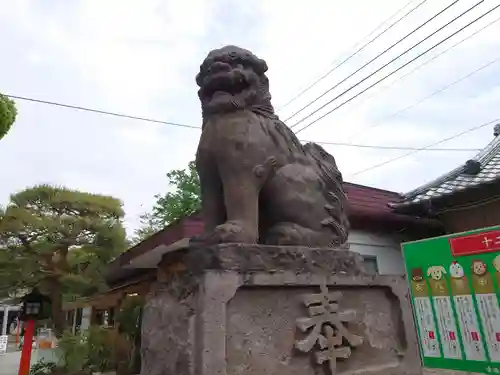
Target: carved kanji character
326	328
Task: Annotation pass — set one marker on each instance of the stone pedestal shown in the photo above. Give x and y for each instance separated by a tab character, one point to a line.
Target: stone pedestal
252	310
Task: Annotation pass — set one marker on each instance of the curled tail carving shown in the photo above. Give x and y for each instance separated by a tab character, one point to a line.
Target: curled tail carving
334	194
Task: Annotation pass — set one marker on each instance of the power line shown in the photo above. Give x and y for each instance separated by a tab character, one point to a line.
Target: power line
395	71
436	92
359	49
392	147
196	127
425	147
101	112
400	78
379	55
390	62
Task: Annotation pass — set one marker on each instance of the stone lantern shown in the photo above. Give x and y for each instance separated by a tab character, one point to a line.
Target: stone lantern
34	306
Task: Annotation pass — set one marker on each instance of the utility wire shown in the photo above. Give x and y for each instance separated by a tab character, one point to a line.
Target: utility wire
434	93
388	63
425	147
101	112
383	120
403	76
359	49
381	54
395	71
391	147
196	127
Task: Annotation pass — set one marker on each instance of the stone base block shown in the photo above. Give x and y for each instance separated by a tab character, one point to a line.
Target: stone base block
260	310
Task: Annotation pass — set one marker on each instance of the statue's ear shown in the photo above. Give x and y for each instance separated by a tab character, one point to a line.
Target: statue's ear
264	66
199	79
260	66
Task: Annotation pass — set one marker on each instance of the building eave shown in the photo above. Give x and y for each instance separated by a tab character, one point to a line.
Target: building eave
456	200
456	181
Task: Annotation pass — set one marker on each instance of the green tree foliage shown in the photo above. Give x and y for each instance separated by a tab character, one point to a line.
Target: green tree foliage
183	200
60	241
129	320
94	350
8	114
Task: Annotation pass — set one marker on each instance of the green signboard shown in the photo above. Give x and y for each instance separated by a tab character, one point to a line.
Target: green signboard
455	284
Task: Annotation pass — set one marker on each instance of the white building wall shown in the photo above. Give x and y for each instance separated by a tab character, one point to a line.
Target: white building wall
384	247
86	318
6	311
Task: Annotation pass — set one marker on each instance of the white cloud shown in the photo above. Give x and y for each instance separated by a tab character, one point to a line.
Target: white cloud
318	32
140	58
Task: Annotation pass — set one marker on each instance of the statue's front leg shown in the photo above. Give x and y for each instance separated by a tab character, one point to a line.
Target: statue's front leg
212	198
241	199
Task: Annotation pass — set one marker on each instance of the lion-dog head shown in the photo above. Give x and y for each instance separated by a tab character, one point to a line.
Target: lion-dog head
232	78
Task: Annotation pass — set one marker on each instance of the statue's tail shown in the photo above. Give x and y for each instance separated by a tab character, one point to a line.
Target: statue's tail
334	191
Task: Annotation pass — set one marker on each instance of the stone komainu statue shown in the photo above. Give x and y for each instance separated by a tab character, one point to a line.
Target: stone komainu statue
259	184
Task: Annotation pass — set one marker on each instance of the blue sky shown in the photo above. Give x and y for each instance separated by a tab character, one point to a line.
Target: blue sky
140	58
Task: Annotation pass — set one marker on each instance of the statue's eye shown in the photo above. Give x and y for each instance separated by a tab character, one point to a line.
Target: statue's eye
206	65
236	58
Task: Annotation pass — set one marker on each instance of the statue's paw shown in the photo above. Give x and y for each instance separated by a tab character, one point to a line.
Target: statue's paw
236	232
267	169
291	234
230	231
284	234
271	162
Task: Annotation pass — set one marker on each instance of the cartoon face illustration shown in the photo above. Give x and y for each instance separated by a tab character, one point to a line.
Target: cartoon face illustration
456	270
436	272
418	283
496	263
481	279
417	274
479	267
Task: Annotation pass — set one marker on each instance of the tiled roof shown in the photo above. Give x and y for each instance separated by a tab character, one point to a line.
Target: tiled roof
365	200
482	169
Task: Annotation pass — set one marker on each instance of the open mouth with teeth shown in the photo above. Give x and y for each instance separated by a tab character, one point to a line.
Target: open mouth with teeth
221	84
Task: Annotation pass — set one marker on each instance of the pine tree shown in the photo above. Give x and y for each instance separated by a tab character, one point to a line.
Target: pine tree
60	241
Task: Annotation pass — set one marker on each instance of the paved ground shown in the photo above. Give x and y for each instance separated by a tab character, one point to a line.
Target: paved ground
9	363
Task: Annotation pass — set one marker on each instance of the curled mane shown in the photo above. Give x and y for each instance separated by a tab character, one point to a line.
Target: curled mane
326	167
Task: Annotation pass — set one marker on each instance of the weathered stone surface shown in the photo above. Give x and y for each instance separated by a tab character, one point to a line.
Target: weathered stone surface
259	184
227	319
252	258
261	331
167	327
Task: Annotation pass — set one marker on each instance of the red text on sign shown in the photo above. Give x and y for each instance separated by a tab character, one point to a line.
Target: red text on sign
475	243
